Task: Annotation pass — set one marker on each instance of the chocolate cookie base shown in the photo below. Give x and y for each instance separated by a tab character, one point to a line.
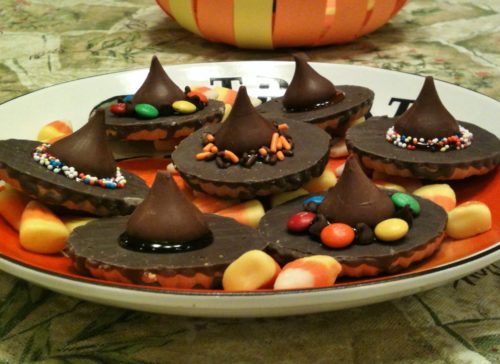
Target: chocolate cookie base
311	149
423	239
18	168
367	140
333	118
165	127
95	251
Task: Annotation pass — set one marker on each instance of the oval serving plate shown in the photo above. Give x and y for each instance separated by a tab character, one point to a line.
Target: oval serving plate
73	100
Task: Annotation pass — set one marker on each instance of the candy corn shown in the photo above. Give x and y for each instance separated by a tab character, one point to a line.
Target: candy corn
252	270
441	194
309	272
321	183
247	213
12	205
40	230
54	131
468	219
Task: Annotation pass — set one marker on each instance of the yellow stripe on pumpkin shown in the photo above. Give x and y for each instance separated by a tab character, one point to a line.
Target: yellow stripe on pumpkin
253	23
184	14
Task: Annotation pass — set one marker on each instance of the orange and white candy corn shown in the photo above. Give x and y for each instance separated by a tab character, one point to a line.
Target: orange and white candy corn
54	131
441	194
41	231
209	204
12	205
252	270
309	272
468	219
246	213
321	183
339	149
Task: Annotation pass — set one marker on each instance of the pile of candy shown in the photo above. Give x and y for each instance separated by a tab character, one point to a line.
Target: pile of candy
444	144
280	147
42	155
194	101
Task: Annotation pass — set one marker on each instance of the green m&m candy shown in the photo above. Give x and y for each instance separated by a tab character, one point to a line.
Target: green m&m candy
400	200
146	111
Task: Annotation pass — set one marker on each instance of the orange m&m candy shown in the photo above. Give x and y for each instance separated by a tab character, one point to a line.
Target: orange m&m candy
337	235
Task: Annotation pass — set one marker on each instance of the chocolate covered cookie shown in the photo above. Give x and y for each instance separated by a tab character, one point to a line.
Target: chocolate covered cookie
77	172
425	142
167	241
249	155
157	117
313	99
368	230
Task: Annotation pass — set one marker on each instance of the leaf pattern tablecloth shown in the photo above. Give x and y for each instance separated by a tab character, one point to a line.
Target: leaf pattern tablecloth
45	42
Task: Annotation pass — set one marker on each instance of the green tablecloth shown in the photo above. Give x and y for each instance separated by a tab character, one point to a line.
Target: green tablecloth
47	42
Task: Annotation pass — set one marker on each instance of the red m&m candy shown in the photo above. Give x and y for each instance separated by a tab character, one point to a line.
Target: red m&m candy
119	108
300	221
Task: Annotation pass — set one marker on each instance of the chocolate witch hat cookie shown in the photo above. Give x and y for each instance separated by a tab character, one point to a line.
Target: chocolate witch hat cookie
77	172
157	117
245	129
163	216
425	142
369	231
166	242
356	199
86	149
313	99
427	118
158	89
249	155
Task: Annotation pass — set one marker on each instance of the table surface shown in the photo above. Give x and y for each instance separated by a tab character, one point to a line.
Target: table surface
47	42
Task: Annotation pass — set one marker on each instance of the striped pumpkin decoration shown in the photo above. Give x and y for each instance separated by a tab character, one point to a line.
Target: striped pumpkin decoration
268	24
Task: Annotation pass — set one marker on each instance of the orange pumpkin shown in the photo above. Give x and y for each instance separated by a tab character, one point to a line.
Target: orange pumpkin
292	23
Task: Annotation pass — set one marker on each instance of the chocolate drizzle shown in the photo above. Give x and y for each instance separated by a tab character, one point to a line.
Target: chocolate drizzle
86	149
158	89
245	129
356	199
308	89
427	118
167	216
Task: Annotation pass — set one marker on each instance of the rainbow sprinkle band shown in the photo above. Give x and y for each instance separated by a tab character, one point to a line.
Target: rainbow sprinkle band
455	142
43	157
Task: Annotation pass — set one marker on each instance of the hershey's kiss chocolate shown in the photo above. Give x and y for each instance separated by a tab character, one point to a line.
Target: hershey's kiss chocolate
427	118
86	149
355	198
158	89
307	88
244	129
167	215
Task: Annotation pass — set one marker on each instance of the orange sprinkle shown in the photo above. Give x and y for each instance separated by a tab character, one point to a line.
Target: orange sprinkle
208	147
274	142
285	143
210	138
279	144
283	126
280	155
263	152
203	155
231	156
214	149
